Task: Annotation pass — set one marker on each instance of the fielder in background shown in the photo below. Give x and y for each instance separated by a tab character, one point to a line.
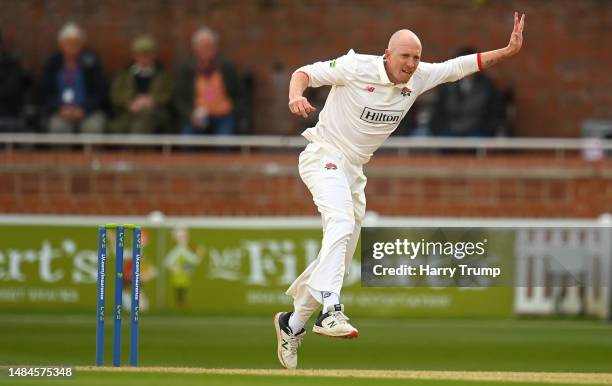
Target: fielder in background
368	99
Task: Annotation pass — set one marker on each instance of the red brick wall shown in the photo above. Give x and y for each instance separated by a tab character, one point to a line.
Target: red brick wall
561	77
225	184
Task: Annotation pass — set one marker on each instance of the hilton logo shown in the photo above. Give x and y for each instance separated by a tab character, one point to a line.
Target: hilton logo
381	116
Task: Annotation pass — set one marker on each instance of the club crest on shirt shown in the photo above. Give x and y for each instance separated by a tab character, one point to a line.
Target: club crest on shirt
331	166
406	91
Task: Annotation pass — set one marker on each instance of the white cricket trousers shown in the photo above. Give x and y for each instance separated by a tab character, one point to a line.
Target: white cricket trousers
337	188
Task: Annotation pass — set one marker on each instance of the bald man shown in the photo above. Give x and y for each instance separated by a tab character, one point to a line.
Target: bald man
369	97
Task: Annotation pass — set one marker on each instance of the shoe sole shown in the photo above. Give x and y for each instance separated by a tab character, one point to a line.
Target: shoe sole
350	335
278	341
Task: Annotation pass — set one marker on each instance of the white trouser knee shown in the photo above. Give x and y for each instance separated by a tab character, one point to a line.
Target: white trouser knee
328	273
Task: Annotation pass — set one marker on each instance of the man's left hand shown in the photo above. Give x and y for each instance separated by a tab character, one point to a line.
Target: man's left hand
516	39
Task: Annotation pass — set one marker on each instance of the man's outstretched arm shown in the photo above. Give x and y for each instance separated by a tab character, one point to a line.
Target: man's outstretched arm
489	58
462	66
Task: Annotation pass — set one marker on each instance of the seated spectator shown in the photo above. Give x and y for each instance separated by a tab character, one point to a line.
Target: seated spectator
140	95
73	88
11	90
209	94
470	107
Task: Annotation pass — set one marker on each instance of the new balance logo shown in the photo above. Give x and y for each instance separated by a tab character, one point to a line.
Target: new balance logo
381	116
331	324
284	344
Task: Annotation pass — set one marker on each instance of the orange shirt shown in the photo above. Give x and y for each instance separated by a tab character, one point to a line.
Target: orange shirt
210	94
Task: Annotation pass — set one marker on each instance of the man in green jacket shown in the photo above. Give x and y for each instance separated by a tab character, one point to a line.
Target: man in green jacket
140	95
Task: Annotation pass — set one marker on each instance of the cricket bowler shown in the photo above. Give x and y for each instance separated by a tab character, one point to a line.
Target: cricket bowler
369	97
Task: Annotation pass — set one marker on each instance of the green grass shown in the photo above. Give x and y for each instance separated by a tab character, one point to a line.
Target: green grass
117	379
226	342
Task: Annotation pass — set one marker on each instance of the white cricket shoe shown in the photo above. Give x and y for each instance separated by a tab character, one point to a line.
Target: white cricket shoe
335	324
287	341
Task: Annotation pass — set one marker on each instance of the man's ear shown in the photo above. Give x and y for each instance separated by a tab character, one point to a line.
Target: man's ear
387	53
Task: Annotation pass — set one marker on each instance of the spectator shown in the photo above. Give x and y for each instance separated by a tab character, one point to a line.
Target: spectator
209	94
140	94
470	107
11	90
73	87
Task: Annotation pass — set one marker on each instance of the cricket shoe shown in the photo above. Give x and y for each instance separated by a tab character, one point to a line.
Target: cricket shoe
287	341
335	324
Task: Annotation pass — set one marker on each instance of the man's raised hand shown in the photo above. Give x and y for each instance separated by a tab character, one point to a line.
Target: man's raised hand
516	39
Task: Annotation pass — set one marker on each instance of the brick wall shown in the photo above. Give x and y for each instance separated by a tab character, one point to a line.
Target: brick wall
227	184
561	78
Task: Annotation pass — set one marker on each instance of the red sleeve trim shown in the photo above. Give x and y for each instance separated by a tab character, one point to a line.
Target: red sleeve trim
303	72
479	60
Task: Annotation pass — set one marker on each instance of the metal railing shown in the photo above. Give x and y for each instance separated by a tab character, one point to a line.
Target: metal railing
91	142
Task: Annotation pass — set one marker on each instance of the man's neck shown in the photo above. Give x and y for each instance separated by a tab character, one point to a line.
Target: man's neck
394	81
208	66
71	62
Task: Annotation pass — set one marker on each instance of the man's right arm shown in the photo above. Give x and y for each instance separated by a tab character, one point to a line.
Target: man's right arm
298	104
334	72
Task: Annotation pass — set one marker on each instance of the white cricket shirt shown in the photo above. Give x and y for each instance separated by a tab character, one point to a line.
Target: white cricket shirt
363	107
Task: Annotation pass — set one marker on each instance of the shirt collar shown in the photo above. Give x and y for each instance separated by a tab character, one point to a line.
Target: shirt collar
142	71
384	78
